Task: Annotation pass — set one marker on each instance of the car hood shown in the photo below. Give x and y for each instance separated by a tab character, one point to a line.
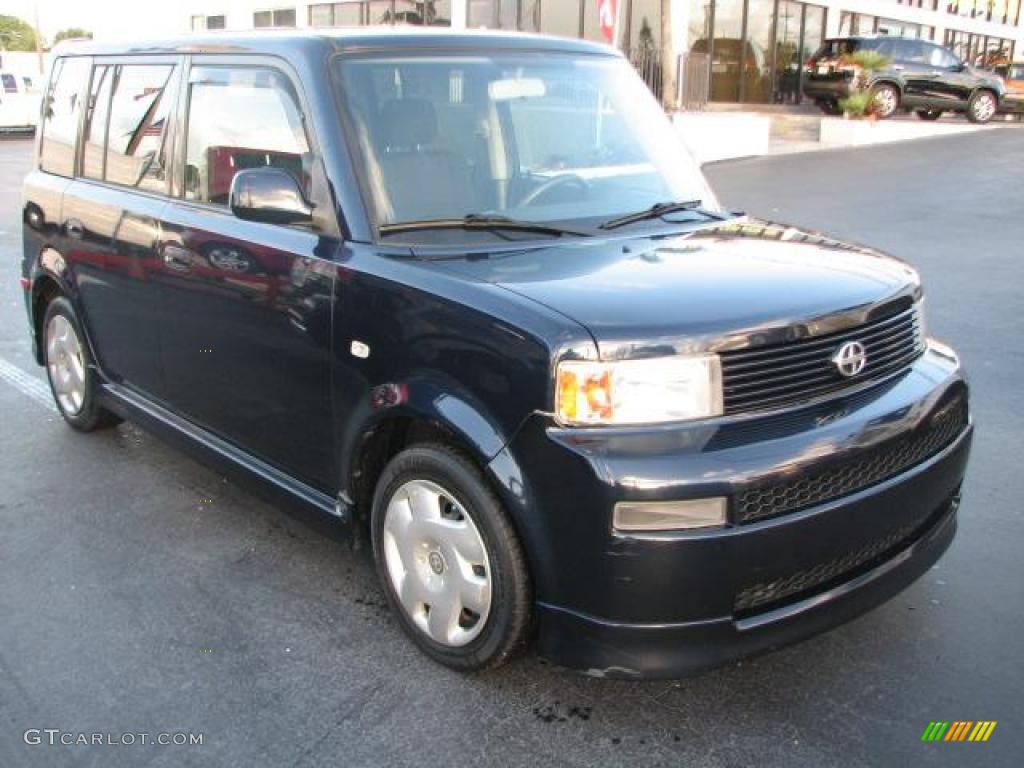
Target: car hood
730	286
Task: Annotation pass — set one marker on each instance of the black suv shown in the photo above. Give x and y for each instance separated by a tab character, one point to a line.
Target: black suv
921	76
468	295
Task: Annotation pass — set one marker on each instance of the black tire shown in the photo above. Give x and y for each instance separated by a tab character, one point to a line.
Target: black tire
929	114
90	415
830	108
507	624
885	100
982	106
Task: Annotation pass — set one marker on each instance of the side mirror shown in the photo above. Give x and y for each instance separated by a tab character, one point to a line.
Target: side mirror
270	195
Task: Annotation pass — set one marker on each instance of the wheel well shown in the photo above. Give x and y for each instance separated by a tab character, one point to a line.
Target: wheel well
894	85
385	441
46	290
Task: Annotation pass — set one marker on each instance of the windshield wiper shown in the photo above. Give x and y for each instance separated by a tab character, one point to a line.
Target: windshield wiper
660	209
480	221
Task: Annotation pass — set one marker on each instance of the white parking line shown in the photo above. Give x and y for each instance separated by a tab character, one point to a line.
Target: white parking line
27	385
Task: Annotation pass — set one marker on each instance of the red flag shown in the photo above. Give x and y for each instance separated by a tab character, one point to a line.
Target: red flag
607	12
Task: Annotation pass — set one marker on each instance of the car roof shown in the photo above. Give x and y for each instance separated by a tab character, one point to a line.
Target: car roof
880	38
307	42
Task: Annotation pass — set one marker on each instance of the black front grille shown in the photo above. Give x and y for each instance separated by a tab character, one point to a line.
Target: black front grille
871	467
784	374
764	595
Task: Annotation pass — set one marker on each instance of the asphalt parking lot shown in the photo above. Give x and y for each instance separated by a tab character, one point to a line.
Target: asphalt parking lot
140	592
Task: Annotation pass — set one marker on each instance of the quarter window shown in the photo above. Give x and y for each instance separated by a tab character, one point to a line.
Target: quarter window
60	116
237	119
125	137
95	133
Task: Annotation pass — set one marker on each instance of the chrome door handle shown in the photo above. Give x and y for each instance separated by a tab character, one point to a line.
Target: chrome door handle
898	67
176	257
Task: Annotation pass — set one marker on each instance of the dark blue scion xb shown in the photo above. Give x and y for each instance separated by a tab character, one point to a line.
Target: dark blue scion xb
467	294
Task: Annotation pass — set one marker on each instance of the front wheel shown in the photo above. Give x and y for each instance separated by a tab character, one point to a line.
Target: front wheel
885	99
68	367
449	559
982	107
929	114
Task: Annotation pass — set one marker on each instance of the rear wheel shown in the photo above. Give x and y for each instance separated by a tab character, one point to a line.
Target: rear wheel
982	107
449	559
69	369
885	100
830	108
929	114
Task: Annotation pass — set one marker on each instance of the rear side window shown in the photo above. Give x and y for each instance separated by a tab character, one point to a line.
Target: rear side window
911	51
125	136
241	118
10	83
60	116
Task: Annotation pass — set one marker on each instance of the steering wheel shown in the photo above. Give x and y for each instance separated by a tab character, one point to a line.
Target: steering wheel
562	179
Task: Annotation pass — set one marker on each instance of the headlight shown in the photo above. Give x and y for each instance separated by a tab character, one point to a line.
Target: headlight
638	391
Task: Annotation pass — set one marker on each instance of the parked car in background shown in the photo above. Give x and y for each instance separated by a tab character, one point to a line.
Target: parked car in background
1013	76
468	294
19	102
922	77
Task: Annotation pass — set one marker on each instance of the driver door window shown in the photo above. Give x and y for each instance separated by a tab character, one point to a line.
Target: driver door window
241	118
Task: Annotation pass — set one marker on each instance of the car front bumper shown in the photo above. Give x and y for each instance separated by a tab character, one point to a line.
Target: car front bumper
1012	103
676	603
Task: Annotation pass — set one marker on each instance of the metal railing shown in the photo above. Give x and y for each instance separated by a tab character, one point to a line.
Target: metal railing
693	80
647	62
693	72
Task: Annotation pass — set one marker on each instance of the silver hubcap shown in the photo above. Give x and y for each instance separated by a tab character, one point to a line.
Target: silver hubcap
65	364
984	107
885	102
437	563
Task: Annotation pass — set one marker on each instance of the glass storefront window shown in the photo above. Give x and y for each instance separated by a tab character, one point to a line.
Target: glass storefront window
643	30
813	36
482	13
788	56
725	49
757	66
379	12
336	14
553	17
433	13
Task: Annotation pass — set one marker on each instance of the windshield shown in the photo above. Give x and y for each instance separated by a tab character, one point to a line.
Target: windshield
547	139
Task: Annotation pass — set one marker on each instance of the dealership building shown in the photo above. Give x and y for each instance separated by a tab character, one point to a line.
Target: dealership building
752	49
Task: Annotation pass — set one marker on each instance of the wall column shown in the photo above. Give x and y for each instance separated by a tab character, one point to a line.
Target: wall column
680	25
832	22
459	8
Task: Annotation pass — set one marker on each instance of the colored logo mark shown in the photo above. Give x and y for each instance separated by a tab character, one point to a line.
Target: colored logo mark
959	730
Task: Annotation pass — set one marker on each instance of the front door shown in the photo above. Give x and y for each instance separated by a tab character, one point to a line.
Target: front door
953	84
246	336
910	59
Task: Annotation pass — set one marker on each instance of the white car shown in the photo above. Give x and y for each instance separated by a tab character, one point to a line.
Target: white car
19	102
